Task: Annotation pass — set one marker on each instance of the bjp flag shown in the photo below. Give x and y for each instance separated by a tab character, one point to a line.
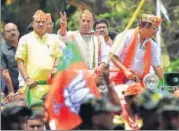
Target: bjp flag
72	85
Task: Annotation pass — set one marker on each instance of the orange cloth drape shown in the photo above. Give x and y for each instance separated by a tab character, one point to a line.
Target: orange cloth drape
128	60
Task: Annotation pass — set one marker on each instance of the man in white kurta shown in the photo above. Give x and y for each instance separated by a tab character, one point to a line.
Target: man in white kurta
91	45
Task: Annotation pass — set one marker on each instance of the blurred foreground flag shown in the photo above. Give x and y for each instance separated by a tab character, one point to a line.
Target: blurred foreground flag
72	85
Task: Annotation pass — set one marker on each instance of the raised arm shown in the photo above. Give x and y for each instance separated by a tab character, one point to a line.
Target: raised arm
63	24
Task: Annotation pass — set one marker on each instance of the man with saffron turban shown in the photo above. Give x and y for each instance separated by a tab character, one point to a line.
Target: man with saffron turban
37	55
138	52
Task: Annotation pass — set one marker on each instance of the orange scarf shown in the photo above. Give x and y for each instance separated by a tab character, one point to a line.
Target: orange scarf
133	124
128	60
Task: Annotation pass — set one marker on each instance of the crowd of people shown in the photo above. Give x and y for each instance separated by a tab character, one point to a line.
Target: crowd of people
116	62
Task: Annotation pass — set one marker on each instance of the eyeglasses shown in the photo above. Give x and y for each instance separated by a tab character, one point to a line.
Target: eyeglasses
10	31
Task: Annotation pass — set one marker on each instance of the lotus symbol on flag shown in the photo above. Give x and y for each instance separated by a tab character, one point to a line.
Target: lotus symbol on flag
77	92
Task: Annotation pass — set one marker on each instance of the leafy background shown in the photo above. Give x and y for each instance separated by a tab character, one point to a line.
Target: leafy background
117	12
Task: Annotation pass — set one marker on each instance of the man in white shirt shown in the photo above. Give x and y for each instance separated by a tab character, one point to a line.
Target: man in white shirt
90	44
138	52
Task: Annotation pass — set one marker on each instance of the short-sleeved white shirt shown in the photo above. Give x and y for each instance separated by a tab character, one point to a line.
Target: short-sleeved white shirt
119	48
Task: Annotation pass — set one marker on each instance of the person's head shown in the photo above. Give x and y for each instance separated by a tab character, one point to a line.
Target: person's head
49	23
35	121
146	105
11	33
169	120
132	91
101	26
149	25
14	117
169	110
113	34
40	22
86	21
30	27
150	99
98	113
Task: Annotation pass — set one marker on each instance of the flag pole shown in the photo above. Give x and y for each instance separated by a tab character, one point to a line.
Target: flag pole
158	13
134	16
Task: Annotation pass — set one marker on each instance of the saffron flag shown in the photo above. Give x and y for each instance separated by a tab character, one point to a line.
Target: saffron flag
71	86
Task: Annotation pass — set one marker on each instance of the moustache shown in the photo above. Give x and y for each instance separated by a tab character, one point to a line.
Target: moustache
40	26
13	34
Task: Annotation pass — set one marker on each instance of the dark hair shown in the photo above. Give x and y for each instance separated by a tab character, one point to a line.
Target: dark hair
113	34
86	113
13	117
166	119
35	115
145	115
30	27
145	24
99	21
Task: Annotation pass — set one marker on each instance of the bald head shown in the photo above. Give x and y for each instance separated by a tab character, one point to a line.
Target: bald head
8	25
86	22
11	32
87	13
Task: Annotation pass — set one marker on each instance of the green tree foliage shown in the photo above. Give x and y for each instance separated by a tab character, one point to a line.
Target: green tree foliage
173	67
117	12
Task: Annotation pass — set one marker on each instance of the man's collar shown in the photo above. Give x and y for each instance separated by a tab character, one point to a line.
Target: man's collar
9	46
37	36
89	33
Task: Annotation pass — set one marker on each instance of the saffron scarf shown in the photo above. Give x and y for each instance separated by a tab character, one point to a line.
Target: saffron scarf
128	60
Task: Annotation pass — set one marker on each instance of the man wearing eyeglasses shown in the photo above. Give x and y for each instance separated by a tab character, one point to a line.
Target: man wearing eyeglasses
138	52
8	64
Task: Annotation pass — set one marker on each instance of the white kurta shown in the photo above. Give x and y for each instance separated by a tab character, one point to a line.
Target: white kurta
89	47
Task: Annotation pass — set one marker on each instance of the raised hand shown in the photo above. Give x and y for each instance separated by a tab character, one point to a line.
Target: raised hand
136	76
63	19
63	23
131	75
